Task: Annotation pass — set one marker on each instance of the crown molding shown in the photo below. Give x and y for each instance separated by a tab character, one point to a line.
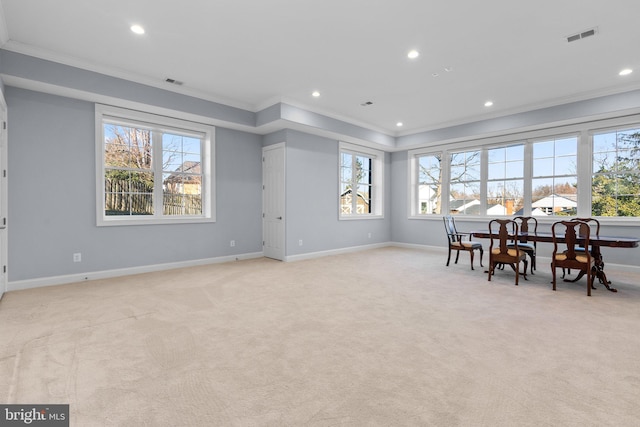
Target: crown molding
4	31
583	96
121	74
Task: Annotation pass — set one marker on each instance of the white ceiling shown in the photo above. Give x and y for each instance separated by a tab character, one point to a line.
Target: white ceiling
254	53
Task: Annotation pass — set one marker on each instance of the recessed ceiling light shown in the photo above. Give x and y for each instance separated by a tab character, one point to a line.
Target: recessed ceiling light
625	72
315	94
413	54
399	124
488	103
137	29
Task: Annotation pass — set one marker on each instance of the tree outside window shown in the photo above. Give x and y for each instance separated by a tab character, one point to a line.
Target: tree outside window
615	190
152	173
464	183
361	182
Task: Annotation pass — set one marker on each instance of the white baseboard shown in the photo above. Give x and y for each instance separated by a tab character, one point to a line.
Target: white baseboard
94	275
105	274
311	255
418	246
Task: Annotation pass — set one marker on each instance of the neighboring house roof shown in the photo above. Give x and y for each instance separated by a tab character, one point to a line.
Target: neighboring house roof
535	212
570	196
460	205
474	209
349	191
554	200
188	167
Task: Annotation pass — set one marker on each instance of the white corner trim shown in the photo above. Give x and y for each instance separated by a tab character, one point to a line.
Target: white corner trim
106	274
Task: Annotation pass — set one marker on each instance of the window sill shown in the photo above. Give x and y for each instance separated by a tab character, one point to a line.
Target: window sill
152	221
357	217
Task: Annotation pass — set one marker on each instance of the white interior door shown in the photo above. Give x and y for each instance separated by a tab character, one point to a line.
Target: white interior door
273	201
3	196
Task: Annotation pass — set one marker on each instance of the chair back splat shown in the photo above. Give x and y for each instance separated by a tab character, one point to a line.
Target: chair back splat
504	248
593	226
528	226
460	241
571	253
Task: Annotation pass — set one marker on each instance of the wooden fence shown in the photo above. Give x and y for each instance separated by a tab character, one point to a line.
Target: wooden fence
124	197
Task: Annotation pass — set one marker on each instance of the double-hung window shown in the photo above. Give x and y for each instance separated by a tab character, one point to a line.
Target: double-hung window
428	192
464	182
361	189
555	178
152	169
585	169
505	180
615	188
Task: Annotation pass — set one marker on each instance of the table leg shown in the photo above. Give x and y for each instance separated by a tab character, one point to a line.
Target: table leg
597	271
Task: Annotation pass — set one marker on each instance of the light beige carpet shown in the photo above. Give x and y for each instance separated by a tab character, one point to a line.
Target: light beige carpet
387	337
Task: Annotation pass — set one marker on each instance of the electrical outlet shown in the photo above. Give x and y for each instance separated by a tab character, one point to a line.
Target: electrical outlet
77	257
369	235
232	243
300	242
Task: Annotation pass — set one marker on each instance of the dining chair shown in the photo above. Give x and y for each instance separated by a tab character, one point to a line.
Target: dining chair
528	225
568	254
502	232
593	225
458	243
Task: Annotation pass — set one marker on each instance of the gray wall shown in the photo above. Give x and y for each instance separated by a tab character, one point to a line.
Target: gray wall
52	198
312	201
52	179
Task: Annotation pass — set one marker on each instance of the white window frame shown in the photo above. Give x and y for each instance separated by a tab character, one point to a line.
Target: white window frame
591	135
414	179
110	114
583	130
377	180
530	178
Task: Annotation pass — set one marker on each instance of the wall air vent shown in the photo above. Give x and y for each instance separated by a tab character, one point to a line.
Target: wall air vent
582	35
173	81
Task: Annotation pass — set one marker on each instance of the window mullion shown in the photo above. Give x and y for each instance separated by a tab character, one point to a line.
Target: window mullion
354	183
528	178
158	188
585	175
445	164
484	174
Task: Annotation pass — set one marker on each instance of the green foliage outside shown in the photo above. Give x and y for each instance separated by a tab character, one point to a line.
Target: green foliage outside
616	187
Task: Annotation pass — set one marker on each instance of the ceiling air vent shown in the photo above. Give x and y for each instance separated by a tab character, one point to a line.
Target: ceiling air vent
173	81
582	35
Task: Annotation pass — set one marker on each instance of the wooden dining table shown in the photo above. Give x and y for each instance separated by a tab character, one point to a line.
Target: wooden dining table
596	242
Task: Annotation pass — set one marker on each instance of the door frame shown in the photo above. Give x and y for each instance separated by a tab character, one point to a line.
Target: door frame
4	198
282	253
